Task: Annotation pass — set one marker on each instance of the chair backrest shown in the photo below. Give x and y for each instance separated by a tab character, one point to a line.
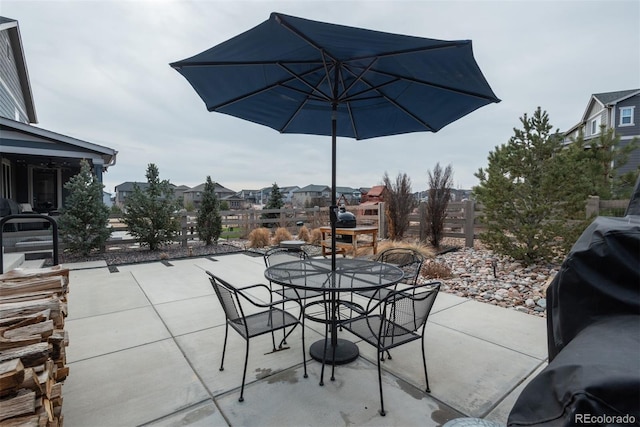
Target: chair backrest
279	255
228	296
407	259
409	310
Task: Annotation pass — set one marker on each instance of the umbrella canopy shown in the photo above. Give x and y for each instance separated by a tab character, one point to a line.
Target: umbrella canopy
291	74
307	77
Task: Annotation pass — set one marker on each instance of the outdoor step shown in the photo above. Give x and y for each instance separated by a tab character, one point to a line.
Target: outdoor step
12	261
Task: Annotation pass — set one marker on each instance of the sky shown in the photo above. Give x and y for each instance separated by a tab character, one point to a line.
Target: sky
99	72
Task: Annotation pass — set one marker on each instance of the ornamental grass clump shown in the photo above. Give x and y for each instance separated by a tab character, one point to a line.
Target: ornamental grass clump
304	234
316	236
281	235
259	238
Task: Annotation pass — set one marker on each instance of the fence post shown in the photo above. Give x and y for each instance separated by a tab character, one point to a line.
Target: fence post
422	212
382	221
183	229
469	223
593	206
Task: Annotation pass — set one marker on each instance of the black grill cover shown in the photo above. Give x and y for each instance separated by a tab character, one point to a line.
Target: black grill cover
346	220
593	332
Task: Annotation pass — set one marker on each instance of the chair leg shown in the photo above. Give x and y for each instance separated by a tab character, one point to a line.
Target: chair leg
424	363
224	346
381	411
304	357
244	372
326	338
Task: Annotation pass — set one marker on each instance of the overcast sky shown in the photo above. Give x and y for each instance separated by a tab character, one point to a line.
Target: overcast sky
99	72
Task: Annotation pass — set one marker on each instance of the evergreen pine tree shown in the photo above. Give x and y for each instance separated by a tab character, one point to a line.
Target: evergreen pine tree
596	158
275	202
84	220
150	213
209	219
529	194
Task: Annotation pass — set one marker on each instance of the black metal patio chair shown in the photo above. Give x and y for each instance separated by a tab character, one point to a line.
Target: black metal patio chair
397	319
408	260
278	256
254	324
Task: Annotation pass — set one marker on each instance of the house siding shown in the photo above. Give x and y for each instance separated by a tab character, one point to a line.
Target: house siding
10	80
628	130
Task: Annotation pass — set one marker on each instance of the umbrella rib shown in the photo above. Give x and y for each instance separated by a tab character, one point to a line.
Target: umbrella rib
443	45
281	83
437	85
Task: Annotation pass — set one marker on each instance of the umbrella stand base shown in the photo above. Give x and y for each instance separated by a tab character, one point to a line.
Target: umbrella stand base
346	352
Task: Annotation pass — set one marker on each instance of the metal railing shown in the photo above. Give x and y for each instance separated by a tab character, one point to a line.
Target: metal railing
8	218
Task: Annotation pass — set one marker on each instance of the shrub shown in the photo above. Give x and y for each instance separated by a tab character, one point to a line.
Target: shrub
281	235
399	204
316	236
440	181
426	251
304	234
259	238
434	270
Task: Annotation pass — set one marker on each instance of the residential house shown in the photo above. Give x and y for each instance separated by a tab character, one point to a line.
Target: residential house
312	195
250	197
36	163
125	189
348	195
619	111
194	195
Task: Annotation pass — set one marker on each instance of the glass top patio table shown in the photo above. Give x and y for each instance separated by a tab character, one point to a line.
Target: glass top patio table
350	275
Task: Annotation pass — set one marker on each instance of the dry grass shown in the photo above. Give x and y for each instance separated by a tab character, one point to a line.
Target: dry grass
316	236
304	234
281	235
259	237
426	251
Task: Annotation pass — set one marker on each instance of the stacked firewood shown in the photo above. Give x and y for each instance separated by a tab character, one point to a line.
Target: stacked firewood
33	307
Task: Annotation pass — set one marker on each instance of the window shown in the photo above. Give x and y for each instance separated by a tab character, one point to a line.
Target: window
626	116
594	126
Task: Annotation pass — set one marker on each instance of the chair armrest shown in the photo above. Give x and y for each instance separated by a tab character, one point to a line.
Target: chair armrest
257	303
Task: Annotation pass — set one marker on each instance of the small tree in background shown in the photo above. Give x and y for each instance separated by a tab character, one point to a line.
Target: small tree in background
596	158
440	182
209	219
84	220
149	213
399	203
275	202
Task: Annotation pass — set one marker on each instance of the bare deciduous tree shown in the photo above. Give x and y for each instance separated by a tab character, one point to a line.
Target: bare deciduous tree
400	202
439	194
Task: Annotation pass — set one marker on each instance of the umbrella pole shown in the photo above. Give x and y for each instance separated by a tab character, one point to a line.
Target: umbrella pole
333	215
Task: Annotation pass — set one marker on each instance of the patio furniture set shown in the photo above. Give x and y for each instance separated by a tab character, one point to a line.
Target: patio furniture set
394	312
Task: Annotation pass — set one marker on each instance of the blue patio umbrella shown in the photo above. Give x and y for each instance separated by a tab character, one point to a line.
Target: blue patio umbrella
307	77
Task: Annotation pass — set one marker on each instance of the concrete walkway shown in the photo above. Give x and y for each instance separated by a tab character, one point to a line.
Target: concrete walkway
146	341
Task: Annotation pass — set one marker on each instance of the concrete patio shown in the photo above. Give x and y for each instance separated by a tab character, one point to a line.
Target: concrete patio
146	341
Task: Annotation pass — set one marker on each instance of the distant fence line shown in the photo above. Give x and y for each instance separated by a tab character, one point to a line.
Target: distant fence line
463	219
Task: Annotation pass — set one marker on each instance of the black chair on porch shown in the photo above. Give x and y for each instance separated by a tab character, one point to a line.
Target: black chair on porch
257	323
399	318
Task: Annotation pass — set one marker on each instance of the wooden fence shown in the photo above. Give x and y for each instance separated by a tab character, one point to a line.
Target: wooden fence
462	221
